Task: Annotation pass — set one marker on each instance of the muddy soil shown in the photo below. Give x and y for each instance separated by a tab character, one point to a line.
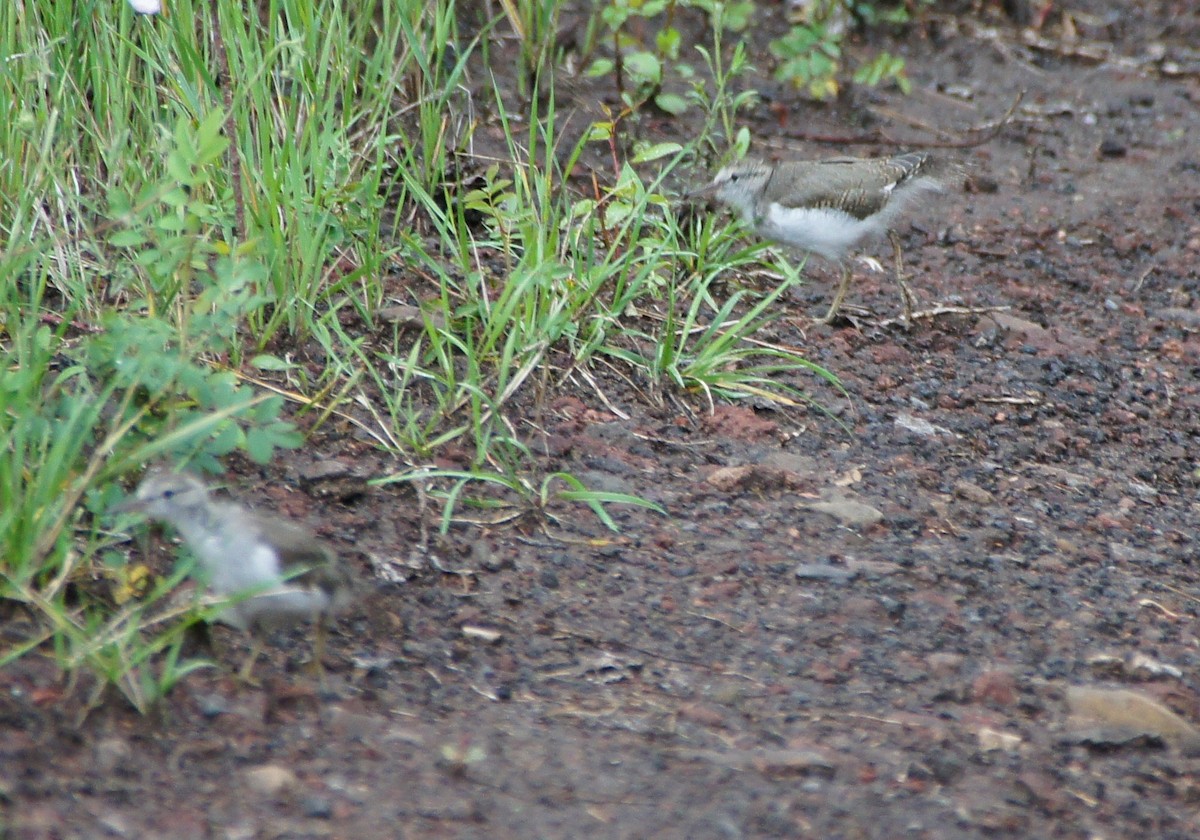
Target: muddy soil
868	625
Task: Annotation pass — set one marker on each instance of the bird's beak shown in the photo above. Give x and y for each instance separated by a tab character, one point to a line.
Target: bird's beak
132	503
707	191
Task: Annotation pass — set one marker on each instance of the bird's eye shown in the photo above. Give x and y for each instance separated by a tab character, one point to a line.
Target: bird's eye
733	177
168	494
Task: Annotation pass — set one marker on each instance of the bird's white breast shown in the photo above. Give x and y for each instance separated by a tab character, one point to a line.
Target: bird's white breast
825	231
245	566
235	561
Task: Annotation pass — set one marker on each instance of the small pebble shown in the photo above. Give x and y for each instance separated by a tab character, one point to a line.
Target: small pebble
317	807
270	779
212	705
822	571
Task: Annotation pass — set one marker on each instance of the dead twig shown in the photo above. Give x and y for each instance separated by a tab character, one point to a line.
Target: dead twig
978	135
940	309
982	133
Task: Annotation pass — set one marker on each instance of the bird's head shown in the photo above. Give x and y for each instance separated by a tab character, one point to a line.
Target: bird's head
166	495
738	185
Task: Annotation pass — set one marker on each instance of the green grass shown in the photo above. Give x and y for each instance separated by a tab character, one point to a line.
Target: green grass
185	198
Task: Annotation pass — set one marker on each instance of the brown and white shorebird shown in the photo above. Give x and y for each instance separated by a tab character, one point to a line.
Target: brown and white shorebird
830	207
276	572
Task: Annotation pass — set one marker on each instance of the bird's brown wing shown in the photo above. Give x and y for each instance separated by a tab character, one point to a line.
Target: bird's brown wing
855	186
299	548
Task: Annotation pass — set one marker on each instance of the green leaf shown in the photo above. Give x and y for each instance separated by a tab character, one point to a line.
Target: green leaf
266	361
737	15
601	67
644	66
259	445
668	41
179	168
883	67
600	131
228	437
671	103
742	141
656	151
614	15
127	239
286	435
210	144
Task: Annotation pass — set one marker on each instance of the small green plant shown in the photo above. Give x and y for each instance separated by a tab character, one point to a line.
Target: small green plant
721	105
533	498
108	388
883	67
810	55
641	71
193	296
637	70
535	23
135	647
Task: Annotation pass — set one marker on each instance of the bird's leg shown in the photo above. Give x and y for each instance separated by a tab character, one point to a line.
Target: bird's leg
318	652
246	673
905	293
837	298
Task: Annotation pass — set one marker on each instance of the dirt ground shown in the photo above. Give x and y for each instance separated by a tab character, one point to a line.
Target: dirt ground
868	630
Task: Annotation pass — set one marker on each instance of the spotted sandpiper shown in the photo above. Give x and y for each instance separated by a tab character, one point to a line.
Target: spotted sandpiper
830	207
276	572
